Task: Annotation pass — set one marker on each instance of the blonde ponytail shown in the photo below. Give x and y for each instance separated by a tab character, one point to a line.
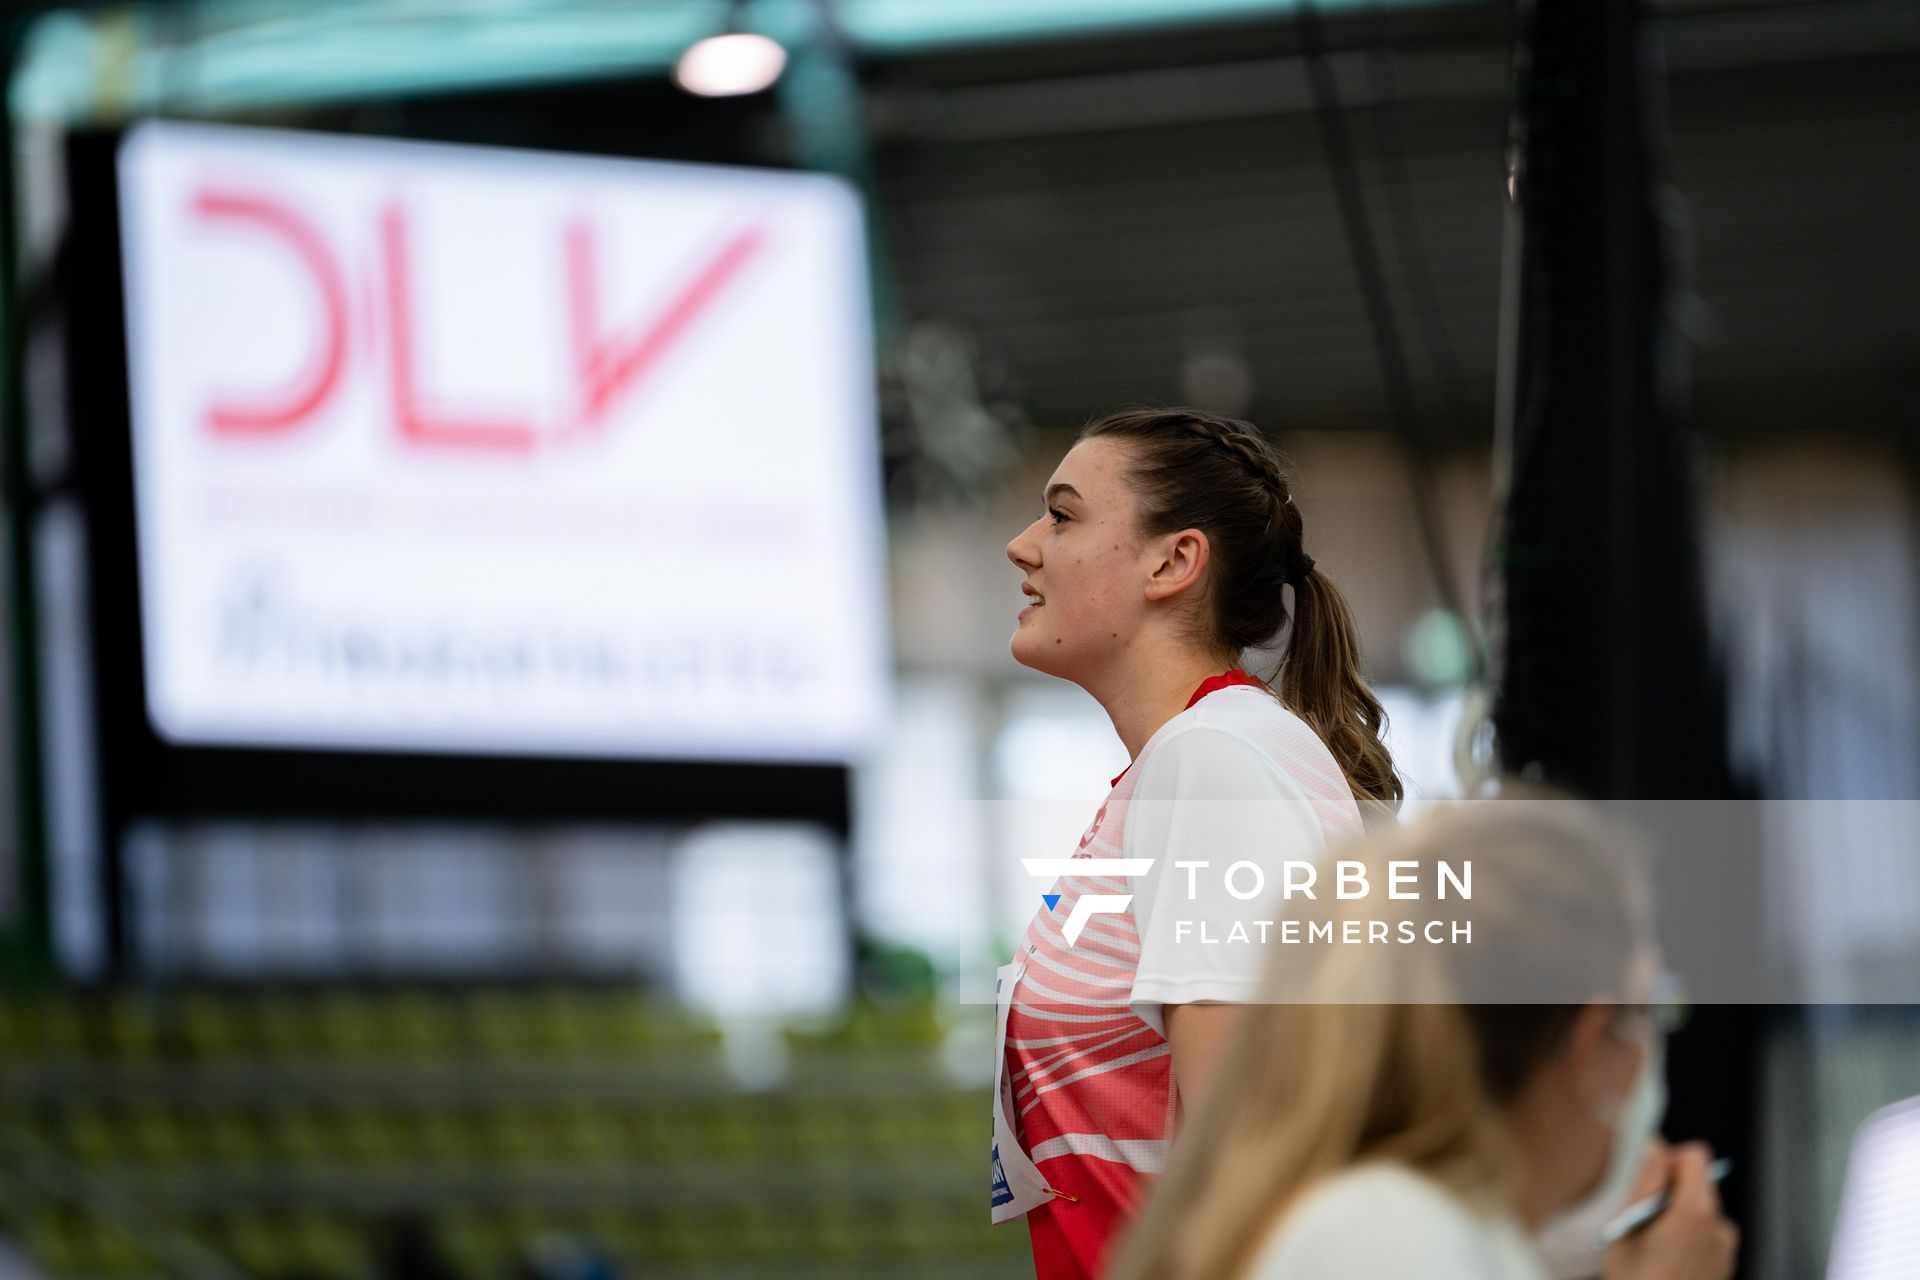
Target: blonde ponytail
1387	1081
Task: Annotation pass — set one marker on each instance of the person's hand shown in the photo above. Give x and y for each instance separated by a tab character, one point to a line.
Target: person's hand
1691	1239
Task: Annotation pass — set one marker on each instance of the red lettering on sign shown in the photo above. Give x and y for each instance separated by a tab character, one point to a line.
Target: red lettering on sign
604	366
415	423
308	391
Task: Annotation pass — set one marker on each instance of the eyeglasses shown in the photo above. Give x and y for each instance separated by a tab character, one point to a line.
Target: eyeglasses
1666	1006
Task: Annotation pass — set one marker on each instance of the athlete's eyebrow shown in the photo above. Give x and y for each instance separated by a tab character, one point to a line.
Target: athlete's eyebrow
1055	490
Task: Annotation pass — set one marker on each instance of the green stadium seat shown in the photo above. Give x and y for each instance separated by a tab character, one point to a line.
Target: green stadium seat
344	1027
132	1030
330	1246
156	1133
90	1133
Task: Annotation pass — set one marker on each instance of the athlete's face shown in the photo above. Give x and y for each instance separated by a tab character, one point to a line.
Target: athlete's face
1085	561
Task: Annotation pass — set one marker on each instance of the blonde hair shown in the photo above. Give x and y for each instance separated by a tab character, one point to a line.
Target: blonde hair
1402	1071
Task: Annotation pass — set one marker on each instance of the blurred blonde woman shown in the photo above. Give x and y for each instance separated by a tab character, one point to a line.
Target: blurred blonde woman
1410	1134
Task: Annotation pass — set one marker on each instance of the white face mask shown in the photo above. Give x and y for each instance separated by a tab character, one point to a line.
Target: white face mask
1570	1241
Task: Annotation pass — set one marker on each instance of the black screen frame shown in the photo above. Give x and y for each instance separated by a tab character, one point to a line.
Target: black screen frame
141	774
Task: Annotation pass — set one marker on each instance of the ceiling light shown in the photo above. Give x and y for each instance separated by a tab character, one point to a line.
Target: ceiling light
724	66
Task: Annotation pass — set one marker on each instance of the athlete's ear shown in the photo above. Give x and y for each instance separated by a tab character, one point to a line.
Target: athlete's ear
1179	561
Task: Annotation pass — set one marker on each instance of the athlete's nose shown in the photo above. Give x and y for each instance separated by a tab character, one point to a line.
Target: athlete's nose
1024	560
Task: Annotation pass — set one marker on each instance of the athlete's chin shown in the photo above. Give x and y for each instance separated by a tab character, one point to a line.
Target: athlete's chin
1034	652
1020	650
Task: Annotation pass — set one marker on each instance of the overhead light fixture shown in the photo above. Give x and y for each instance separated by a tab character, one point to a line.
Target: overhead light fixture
726	66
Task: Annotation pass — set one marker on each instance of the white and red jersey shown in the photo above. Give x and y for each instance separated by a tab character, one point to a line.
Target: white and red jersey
1234	777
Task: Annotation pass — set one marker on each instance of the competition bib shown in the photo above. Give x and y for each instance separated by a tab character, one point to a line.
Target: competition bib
1017	1184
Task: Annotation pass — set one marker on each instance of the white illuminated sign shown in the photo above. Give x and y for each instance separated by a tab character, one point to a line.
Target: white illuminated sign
458	449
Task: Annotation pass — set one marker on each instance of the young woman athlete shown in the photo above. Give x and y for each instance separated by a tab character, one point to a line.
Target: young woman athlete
1170	544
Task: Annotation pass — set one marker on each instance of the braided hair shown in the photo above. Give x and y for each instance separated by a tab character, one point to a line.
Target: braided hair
1190	469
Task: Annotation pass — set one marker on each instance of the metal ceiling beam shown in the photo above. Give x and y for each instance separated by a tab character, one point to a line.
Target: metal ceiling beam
201	58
